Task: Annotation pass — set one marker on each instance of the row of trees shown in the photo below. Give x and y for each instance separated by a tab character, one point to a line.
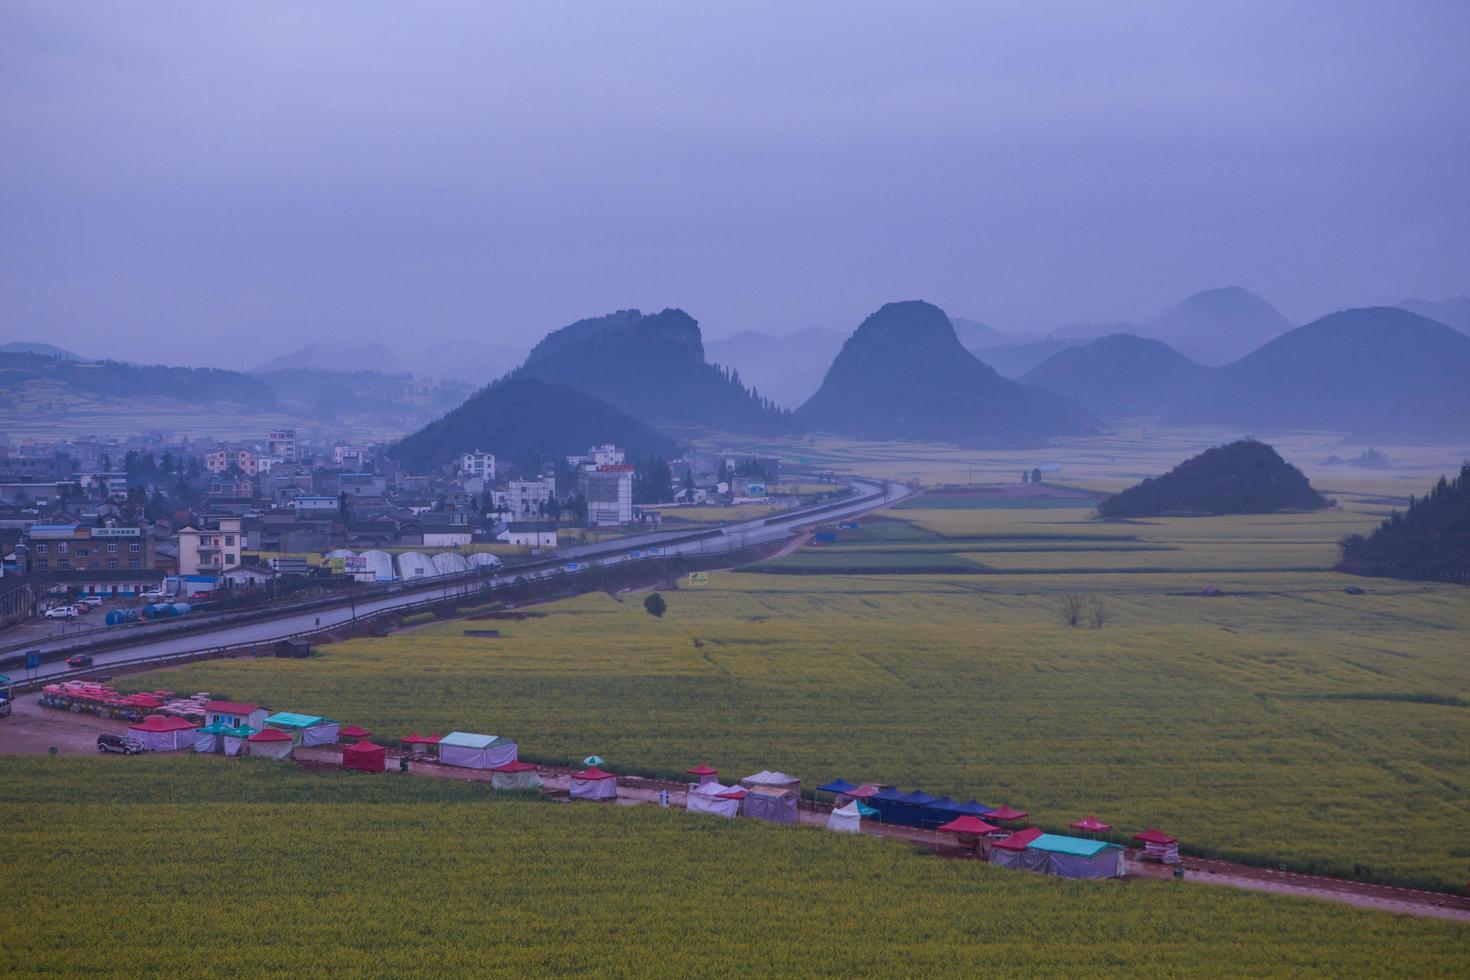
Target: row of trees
1431	540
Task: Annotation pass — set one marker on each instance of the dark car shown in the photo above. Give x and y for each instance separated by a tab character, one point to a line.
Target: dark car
125	744
80	660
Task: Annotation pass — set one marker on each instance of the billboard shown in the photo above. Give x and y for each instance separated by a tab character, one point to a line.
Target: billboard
699	578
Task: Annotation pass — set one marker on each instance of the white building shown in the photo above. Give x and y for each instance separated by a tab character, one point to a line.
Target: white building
313	505
522	499
210	550
608	490
530	534
282	443
479	464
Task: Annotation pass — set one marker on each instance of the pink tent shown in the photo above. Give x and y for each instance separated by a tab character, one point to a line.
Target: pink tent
971	826
1159	846
160	733
1090	823
1006	813
594	784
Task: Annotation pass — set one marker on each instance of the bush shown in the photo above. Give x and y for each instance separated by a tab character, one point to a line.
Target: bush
417	619
655	604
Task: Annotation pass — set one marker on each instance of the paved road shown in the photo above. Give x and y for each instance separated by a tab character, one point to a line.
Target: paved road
870	495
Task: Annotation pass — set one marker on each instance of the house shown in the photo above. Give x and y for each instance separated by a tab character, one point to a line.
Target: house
477	463
282	443
530	534
446	530
232	714
220	460
210	549
316	505
526	499
248	577
80	548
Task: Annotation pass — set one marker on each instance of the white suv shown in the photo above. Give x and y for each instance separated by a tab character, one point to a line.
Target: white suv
62	612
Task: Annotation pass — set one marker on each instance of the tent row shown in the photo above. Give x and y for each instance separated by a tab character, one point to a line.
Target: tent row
892	805
1055	854
414	564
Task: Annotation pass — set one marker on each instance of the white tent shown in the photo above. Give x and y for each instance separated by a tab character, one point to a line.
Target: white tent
160	733
722	801
846	819
594	784
772	780
450	563
380	563
474	751
271	743
515	775
235	742
481	559
341	553
411	564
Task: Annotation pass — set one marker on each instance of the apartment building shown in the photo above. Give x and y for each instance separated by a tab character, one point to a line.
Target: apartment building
57	548
211	549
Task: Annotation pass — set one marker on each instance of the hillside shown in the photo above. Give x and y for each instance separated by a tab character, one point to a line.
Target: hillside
1121	375
653	367
786	368
526	420
1245	477
1453	311
976	335
1431	540
1218	325
44	350
333	396
1014	360
112	379
332	357
903	374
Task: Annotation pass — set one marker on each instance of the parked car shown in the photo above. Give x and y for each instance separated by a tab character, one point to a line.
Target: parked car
80	660
90	601
62	612
125	744
154	595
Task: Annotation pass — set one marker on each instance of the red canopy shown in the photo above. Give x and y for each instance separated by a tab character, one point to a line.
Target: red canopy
269	735
514	765
417	739
1018	841
1154	835
364	756
352	731
1006	813
1090	823
231	707
969	825
864	791
162	723
592	772
703	769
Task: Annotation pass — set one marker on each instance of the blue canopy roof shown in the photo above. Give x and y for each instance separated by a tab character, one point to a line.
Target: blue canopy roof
943	803
890	794
971	808
837	786
918	798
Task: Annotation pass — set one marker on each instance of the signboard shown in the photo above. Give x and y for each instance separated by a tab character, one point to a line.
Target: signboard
653	551
635	554
337	565
354	563
699	578
116	532
571	566
33	659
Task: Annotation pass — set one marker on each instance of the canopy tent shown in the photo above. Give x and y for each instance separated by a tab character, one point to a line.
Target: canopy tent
1006	813
968	825
772	780
1158	846
474	751
722	801
364	756
848	819
515	774
305	729
593	761
236	739
865	791
947	809
594	784
1013	852
1090	824
704	773
420	744
774	804
161	733
211	738
354	733
271	743
840	787
885	801
910	810
1078	857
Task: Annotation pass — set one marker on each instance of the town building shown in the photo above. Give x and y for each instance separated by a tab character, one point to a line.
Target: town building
450	530
220	460
608	490
530	534
210	549
65	548
479	464
525	499
282	443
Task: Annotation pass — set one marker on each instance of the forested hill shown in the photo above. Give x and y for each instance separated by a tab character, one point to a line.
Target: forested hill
114	379
528	421
1245	477
653	367
903	374
1431	540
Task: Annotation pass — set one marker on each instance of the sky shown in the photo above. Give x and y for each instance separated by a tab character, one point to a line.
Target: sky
216	183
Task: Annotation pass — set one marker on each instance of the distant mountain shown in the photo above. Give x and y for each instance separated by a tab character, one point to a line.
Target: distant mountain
1431	540
1379	373
337	396
1454	311
333	357
786	369
473	360
528	421
44	350
1121	375
1014	360
111	379
903	374
973	334
1245	477
1218	325
653	367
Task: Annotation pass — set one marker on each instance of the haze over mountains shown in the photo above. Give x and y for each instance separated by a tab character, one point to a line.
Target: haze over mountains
904	374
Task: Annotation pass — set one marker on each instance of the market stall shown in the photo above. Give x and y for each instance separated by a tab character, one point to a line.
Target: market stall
594	784
271	743
515	774
364	756
773	804
1158	846
473	751
159	733
722	801
305	730
849	819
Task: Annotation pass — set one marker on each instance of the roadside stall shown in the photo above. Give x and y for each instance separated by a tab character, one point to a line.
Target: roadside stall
237	739
1005	813
211	738
472	751
305	730
969	830
772	780
722	801
515	774
1158	846
773	804
271	743
159	733
839	788
353	733
849	819
703	773
594	784
1078	857
1012	852
420	745
1091	825
364	756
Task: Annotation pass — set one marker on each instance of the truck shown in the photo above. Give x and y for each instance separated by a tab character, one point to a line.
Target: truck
7	695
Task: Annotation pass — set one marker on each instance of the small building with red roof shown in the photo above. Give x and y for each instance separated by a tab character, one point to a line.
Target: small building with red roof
235	714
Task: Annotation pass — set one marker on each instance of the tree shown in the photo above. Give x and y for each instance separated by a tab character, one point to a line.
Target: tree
1097	612
655	604
342	505
1073	605
1036	475
1025	477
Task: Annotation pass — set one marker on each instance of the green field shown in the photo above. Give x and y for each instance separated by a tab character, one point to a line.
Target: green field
179	866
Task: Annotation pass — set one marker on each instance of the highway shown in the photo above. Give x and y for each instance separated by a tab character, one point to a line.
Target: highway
870	495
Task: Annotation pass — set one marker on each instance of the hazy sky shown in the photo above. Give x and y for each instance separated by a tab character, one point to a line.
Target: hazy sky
202	182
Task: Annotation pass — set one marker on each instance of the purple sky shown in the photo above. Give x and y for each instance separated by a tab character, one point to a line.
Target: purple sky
203	182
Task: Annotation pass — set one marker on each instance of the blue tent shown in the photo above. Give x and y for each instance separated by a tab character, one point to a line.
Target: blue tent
837	786
945	810
885	802
909	809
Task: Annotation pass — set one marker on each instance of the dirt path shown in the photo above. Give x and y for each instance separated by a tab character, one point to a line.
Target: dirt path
33	730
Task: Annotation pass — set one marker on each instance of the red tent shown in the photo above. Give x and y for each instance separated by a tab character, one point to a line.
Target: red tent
270	735
365	756
969	825
1006	813
1153	835
514	765
420	743
161	723
702	770
1091	823
864	791
1018	841
592	772
355	733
